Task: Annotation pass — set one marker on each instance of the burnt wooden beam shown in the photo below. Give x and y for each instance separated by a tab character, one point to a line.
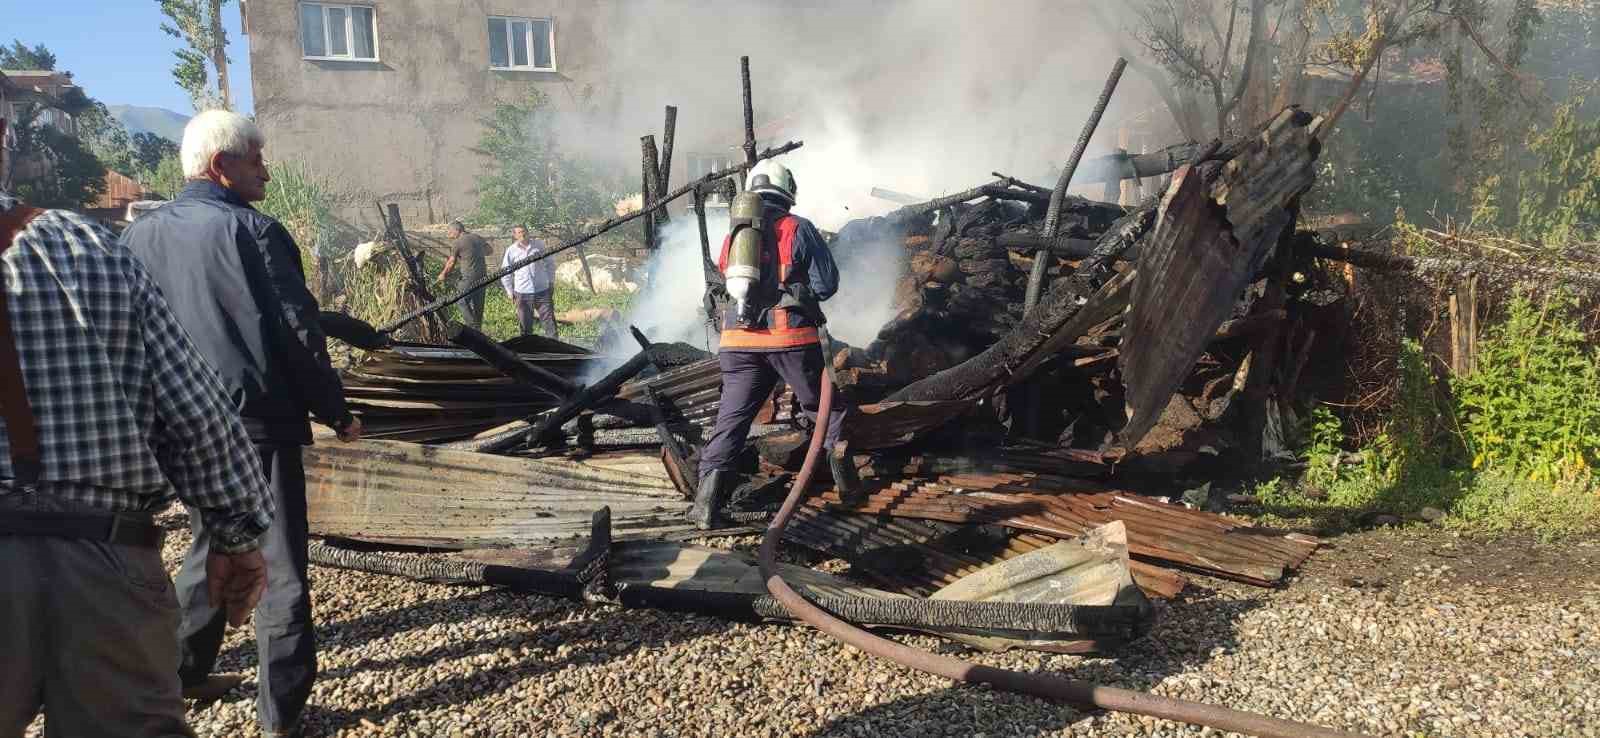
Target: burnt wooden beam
669	132
1054	323
1052	218
1010	181
591	396
1486	268
650	169
417	281
749	113
509	363
1063	247
1040	273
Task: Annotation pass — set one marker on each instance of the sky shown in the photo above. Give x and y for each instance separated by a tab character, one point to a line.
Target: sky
117	51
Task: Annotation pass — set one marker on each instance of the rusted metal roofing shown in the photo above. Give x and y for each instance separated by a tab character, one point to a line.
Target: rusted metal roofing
425	495
1158	533
433	394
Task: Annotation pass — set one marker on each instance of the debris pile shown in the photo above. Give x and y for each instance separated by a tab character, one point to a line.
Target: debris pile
1037	385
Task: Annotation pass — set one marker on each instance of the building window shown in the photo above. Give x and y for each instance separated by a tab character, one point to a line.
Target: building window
522	43
346	32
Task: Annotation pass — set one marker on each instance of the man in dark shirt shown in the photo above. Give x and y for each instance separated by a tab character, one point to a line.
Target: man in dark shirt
471	251
234	279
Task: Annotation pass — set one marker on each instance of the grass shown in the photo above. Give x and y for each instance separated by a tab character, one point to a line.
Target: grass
500	317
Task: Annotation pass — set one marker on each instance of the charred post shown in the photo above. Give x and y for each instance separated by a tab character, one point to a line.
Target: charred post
509	363
749	113
1052	218
590	396
649	169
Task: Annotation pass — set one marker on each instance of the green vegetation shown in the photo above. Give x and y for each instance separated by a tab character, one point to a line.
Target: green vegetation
303	202
534	180
1510	446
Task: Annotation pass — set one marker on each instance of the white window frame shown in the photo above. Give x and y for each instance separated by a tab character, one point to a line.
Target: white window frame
511	57
349	32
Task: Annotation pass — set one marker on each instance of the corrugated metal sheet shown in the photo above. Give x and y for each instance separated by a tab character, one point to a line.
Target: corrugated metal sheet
434	394
921	557
1159	533
406	493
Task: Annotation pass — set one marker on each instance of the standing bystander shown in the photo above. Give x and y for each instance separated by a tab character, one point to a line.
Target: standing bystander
233	277
108	408
531	288
470	252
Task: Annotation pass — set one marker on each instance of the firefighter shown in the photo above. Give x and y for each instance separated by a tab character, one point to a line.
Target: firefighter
777	268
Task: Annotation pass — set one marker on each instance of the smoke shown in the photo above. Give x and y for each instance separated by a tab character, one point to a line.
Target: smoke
926	97
670	308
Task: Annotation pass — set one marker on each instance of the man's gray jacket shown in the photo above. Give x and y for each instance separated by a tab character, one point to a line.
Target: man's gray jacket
233	277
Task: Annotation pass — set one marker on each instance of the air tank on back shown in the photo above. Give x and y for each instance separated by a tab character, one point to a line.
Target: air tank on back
744	252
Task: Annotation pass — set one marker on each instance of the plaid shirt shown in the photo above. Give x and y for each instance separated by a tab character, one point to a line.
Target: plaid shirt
128	412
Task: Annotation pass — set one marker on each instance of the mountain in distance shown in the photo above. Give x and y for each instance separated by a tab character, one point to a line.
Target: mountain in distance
141	119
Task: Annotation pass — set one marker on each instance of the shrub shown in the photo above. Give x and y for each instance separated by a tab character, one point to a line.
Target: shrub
1532	407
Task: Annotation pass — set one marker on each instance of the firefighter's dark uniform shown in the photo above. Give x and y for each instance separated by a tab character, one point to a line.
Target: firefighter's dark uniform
783	342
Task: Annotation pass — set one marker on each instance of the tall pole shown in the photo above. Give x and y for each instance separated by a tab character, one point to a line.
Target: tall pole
749	114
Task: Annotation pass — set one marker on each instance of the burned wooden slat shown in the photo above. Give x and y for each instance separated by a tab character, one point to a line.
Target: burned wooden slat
509	363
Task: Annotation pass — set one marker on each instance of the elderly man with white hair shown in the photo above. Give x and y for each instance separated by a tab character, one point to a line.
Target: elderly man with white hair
233	277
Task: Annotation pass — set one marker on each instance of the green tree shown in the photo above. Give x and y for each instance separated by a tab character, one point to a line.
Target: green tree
19	56
198	23
149	150
1561	191
73	177
532	179
107	139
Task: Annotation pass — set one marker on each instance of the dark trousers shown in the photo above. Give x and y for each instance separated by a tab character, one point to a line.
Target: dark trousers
472	308
747	380
285	644
539	305
86	632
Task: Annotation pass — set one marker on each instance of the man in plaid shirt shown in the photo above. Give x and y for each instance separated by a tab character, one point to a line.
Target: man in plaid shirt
126	412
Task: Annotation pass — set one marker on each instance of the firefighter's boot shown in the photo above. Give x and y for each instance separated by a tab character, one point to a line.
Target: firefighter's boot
709	499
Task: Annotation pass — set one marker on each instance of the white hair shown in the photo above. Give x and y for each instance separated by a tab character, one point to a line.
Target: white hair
213	132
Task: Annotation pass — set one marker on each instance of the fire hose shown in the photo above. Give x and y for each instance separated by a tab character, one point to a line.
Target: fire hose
1038	685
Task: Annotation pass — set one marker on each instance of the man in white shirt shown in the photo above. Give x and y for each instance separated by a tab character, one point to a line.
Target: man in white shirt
530	288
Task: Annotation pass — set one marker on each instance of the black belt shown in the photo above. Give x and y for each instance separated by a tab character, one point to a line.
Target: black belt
129	529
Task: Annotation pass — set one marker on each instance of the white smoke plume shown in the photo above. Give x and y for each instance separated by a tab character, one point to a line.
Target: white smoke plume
925	97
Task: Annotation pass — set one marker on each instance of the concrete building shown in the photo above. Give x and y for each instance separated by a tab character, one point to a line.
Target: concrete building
385	96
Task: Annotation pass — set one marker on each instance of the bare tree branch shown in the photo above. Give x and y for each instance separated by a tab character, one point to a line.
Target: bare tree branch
1258	11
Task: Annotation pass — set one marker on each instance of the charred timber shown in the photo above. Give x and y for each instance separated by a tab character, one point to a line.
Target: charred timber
1052	218
1137	166
1002	362
509	363
749	113
1062	247
591	396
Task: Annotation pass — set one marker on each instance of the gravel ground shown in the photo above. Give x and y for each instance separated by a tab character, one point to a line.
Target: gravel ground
1398	632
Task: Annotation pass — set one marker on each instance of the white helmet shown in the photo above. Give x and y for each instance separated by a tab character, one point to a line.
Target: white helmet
771	178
